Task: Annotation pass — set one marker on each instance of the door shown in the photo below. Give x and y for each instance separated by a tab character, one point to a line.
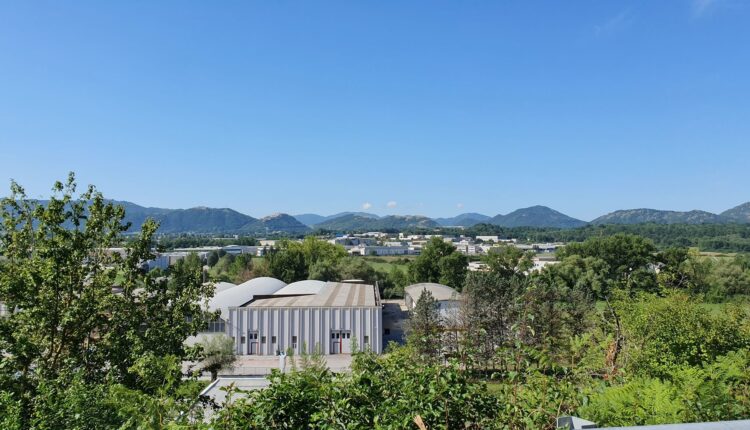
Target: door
346	342
341	342
252	338
335	342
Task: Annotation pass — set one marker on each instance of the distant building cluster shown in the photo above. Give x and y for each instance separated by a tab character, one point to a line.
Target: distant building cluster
382	244
164	260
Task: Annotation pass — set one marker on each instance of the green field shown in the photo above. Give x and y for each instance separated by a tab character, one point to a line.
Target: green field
386	264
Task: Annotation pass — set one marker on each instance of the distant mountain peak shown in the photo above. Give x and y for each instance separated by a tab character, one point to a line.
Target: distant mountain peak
739	214
463	220
656	216
536	216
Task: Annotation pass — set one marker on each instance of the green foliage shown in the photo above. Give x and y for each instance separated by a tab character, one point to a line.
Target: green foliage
425	327
384	392
70	402
536	311
297	261
439	262
11	415
508	260
622	253
674	331
184	240
717	391
70	336
216	353
588	275
534	390
726	277
230	268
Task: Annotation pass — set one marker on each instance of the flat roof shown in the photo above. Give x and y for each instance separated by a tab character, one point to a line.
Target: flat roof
333	294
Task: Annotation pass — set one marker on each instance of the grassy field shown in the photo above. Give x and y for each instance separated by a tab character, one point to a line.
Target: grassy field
386	264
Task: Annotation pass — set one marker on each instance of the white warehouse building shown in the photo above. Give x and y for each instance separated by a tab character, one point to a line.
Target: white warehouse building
448	299
266	316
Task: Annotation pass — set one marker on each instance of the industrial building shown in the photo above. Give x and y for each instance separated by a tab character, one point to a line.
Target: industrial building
448	299
264	316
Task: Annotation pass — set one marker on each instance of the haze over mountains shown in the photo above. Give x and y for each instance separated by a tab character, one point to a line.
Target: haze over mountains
225	220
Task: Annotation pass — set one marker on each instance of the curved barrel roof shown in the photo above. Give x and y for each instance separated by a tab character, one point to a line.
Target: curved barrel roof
439	292
244	293
302	287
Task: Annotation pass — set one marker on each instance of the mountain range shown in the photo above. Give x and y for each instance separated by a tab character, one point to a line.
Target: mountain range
211	220
225	220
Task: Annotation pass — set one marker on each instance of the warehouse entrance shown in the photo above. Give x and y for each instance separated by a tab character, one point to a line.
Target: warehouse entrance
252	338
341	342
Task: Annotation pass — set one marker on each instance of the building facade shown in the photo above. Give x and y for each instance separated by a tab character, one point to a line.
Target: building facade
337	319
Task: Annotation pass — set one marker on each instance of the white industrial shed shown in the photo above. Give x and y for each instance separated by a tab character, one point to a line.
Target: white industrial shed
448	299
328	316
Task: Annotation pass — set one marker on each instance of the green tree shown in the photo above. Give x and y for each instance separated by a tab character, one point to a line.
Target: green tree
297	261
509	261
358	268
57	277
439	262
216	353
325	270
666	333
424	330
213	258
623	253
288	264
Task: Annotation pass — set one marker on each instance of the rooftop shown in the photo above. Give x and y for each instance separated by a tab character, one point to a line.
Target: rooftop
439	291
333	294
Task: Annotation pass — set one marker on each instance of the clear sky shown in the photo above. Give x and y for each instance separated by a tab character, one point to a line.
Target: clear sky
431	107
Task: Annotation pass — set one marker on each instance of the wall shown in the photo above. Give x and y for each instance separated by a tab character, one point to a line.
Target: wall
311	325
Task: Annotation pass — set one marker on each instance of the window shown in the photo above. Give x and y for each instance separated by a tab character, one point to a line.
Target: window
273	339
348	335
262	339
294	342
253	335
242	339
333	335
216	326
387	331
367	340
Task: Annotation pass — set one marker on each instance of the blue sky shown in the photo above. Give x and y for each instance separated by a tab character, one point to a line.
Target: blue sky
434	107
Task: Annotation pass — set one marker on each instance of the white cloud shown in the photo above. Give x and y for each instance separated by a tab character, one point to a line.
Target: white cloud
366	205
392	204
460	205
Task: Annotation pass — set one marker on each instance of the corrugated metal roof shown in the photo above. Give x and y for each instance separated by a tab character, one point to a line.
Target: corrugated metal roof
333	294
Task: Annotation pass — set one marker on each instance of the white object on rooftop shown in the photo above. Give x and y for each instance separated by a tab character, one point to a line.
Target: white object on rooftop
301	287
244	293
